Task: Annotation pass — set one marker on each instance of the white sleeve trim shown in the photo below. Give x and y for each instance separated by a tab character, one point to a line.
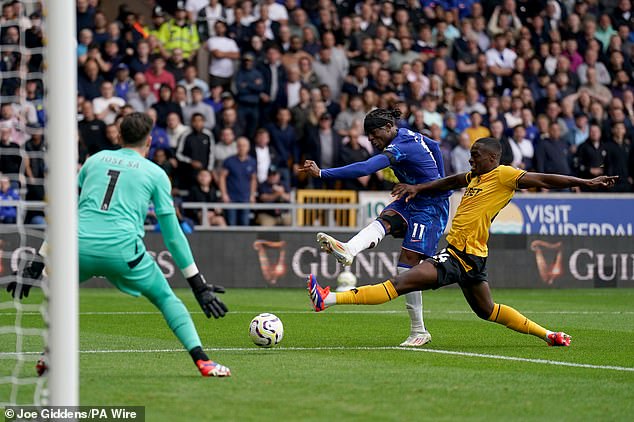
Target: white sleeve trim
190	271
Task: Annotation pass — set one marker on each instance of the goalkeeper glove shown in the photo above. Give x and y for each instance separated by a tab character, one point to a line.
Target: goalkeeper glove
205	295
33	271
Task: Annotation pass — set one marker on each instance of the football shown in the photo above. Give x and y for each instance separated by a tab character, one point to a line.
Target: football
266	330
346	281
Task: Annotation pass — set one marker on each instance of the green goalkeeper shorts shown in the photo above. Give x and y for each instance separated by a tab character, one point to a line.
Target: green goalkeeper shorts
141	276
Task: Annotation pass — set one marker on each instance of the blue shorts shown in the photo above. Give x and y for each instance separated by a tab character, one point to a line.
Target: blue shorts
426	222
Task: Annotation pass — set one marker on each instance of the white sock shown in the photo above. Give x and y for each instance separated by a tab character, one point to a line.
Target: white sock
368	237
330	300
414	305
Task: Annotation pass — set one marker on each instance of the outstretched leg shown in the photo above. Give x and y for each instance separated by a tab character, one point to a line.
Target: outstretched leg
479	298
147	279
422	277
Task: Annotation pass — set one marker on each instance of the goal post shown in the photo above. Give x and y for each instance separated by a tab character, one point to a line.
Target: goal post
61	188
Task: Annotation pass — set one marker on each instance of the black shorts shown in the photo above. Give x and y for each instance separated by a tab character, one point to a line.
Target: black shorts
459	267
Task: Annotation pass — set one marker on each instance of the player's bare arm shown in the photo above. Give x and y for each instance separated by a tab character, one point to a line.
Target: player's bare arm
455	181
558	181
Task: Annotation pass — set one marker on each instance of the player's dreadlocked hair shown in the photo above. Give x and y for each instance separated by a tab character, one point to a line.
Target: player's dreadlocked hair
380	117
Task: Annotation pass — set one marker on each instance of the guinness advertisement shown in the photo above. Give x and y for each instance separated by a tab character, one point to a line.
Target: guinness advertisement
285	258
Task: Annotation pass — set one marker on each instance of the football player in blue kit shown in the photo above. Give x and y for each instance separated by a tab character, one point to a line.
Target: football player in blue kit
414	158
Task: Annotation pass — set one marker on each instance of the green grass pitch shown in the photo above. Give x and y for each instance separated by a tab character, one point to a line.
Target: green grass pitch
342	365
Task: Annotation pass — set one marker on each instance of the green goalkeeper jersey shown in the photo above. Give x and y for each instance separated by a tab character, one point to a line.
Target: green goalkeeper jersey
116	190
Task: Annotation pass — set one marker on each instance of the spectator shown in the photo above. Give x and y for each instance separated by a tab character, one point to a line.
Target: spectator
158	19
107	106
8	214
141	61
223	51
591	62
35	170
250	86
522	148
591	155
229	118
353	152
238	183
594	88
324	146
284	142
11	156
450	133
620	158
461	154
273	191
176	64
156	76
263	154
274	77
90	80
175	130
205	191
92	132
225	148
197	105
207	13
346	119
501	60
329	72
142	99
180	33
164	106
191	80
163	161
552	154
579	133
195	151
160	139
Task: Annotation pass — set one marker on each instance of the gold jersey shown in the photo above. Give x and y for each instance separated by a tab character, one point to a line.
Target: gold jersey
483	199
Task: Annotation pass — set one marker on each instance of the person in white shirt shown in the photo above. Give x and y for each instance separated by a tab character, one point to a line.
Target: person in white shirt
107	106
277	12
175	129
224	51
500	59
522	148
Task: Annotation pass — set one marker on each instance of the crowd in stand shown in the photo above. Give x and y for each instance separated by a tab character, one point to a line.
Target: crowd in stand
242	91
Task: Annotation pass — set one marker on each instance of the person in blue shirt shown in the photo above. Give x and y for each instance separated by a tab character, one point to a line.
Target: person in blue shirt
8	214
421	222
238	182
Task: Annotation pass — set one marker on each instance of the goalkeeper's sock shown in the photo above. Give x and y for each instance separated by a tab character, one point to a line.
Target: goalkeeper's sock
367	295
197	353
512	319
367	238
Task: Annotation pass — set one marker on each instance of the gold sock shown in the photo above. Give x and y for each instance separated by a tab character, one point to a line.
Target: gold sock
512	319
368	295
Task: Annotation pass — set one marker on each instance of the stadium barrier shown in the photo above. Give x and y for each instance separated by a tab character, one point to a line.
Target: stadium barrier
283	258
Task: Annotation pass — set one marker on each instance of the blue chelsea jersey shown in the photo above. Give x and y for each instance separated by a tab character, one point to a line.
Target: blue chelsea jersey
414	157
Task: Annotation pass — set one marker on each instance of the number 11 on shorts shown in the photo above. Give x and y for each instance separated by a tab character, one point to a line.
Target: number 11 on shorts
420	228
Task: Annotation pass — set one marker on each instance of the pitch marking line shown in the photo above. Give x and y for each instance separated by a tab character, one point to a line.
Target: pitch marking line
378	348
336	312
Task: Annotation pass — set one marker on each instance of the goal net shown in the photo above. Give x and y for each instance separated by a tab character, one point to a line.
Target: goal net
37	126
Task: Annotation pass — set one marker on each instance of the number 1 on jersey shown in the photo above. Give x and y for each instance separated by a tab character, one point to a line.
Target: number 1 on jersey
114	176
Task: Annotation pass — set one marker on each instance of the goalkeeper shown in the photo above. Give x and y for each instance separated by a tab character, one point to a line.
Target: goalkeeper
116	188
